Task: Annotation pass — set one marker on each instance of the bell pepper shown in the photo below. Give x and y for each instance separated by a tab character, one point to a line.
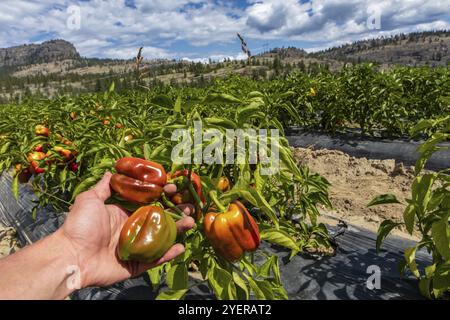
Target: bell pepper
146	235
223	184
24	174
41	130
73	166
65	153
233	232
33	159
184	196
39	148
138	180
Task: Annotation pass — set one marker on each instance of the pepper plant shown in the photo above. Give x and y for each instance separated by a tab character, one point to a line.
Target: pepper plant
103	128
427	213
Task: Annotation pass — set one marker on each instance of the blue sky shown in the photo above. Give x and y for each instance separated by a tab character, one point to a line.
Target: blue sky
202	29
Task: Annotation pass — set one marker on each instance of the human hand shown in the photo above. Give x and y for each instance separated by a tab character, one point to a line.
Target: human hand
92	229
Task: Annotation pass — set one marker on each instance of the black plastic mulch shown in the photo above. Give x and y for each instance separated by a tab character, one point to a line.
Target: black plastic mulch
340	277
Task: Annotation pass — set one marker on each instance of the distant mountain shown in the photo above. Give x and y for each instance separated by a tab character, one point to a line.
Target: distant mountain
413	49
284	53
49	51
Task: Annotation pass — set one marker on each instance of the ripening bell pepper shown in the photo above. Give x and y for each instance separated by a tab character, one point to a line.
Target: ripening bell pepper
184	196
33	159
138	180
39	148
233	232
128	138
41	130
65	153
147	234
223	184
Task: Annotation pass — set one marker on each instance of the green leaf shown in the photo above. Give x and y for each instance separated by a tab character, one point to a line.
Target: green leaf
383	199
221	281
177	105
177	277
422	191
154	275
147	151
243	113
242	290
112	87
172	294
5	147
424	287
441	236
410	257
441	280
383	231
83	186
254	197
15	187
409	216
262	289
221	98
421	126
163	101
279	237
225	123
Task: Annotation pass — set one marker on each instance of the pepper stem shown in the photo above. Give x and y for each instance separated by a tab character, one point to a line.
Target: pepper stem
194	194
175	216
170	204
213	196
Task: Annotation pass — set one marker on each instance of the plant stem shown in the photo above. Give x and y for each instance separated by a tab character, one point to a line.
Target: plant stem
194	194
213	196
170	204
175	216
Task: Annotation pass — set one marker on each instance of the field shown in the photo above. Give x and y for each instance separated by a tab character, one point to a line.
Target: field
62	147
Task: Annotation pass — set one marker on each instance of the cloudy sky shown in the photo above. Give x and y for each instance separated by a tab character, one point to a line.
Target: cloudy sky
207	28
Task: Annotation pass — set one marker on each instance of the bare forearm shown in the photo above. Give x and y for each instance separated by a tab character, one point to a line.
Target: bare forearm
40	271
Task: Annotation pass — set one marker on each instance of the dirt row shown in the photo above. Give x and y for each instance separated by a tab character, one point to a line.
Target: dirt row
355	182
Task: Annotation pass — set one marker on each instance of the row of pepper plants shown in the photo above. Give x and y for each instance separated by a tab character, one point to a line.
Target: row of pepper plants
64	146
427	214
375	102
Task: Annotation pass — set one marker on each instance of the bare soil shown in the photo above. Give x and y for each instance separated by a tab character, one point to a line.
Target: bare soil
355	182
8	241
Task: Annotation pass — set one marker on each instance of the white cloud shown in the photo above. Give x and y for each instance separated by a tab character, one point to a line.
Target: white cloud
217	58
164	27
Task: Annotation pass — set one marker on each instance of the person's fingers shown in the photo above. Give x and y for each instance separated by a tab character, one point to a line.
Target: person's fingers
102	188
170	189
185	224
187	208
171	254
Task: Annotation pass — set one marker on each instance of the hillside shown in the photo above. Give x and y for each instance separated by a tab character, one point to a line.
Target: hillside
414	49
55	67
49	51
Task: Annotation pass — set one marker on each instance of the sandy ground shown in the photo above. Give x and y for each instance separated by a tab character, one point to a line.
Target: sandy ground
8	241
355	182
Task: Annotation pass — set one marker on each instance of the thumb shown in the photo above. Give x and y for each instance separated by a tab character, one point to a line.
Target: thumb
102	188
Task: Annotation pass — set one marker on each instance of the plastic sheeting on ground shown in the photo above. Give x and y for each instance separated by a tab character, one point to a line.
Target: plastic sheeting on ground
341	277
401	150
